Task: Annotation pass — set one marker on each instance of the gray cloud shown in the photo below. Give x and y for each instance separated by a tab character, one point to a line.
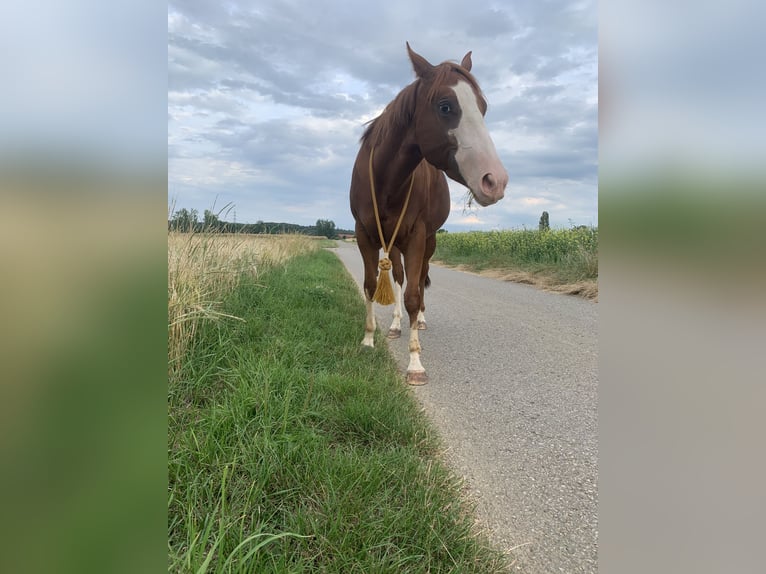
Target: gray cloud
266	103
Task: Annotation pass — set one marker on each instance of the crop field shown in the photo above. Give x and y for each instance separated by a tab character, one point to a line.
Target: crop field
561	259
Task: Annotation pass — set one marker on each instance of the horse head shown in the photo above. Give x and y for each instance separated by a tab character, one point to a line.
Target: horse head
450	129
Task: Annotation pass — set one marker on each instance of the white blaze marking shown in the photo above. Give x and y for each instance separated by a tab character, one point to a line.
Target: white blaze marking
476	152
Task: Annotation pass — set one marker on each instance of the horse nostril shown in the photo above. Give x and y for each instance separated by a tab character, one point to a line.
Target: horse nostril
488	183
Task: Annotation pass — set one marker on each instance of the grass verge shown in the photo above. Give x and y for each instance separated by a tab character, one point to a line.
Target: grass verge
293	449
562	260
204	267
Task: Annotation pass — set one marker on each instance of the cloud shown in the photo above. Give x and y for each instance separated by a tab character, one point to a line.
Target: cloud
266	102
536	201
469	220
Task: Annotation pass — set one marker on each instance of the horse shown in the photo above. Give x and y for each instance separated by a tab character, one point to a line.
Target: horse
399	195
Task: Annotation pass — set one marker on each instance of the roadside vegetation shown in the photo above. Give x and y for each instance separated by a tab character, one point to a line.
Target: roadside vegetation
290	447
188	220
203	268
564	260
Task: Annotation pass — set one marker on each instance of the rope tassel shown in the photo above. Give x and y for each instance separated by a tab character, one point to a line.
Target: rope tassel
384	293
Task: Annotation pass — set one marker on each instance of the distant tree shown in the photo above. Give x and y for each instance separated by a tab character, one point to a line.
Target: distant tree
184	220
544	222
327	228
210	221
180	218
442	230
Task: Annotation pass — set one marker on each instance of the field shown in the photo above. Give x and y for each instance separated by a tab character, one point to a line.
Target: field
290	447
564	260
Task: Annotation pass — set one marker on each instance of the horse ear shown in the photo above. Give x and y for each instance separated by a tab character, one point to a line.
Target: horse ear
466	63
423	69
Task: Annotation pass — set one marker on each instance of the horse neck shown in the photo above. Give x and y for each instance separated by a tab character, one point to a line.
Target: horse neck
395	160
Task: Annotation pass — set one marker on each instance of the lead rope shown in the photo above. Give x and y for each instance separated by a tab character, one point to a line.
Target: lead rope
384	293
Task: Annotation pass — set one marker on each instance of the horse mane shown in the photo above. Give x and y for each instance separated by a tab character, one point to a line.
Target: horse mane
398	113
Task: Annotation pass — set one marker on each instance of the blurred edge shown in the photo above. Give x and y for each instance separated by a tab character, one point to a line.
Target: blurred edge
82	402
83	253
682	207
682	373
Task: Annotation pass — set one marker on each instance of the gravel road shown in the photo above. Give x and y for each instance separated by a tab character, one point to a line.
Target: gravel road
513	386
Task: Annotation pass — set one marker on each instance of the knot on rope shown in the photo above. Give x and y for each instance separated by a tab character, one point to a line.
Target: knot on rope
384	293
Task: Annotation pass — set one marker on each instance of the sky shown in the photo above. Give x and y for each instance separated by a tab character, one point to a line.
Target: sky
267	101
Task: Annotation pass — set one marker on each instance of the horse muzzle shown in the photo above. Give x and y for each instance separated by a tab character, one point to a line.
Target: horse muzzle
491	188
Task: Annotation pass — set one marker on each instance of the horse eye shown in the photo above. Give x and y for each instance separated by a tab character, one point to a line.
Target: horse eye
445	108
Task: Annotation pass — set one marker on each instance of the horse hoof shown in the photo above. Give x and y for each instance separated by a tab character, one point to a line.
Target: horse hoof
422	325
394	333
416	378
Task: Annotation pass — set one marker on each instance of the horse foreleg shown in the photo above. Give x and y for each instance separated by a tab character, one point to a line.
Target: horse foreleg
369	254
416	374
395	331
369	324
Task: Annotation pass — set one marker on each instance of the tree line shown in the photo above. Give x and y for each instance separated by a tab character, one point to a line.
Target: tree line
188	221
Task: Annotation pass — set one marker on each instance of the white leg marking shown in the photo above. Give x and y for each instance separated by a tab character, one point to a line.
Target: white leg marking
415	365
369	325
421	320
396	325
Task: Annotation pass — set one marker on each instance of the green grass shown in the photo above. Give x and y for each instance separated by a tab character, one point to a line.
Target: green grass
293	449
324	242
561	255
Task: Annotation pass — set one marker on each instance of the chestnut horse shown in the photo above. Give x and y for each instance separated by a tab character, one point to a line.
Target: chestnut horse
399	191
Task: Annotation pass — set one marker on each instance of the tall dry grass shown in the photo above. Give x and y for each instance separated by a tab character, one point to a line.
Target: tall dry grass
204	267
